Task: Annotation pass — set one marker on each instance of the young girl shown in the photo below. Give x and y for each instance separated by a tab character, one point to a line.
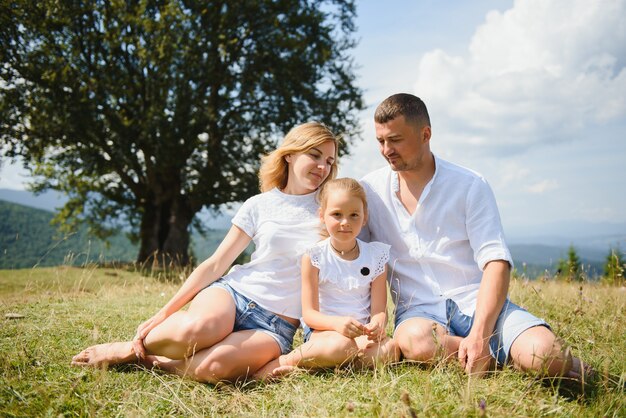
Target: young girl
344	290
237	323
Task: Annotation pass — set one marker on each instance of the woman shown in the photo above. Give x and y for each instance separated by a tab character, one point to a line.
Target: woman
237	323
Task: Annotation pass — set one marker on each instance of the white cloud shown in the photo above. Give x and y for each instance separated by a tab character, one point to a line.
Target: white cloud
13	176
539	73
543	186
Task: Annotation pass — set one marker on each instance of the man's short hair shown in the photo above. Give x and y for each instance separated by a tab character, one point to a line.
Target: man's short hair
403	104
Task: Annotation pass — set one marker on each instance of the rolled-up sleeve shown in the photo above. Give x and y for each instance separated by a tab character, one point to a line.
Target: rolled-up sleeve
484	227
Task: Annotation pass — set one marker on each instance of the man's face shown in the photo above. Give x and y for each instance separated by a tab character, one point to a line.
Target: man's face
403	145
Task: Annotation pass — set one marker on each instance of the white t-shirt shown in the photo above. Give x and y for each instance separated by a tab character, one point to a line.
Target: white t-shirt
282	227
345	285
440	250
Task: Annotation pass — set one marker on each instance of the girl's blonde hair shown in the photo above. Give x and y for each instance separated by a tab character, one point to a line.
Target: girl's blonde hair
274	171
346	184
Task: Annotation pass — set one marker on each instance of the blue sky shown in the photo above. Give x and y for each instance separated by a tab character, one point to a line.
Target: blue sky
530	93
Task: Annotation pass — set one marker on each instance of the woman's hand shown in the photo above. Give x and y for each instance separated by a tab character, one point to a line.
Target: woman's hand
142	332
349	327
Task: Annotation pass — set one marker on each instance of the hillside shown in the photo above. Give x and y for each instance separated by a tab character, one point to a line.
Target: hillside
535	259
27	239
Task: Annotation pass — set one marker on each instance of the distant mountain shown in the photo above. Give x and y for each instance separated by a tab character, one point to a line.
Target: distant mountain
534	248
27	239
536	259
49	200
52	200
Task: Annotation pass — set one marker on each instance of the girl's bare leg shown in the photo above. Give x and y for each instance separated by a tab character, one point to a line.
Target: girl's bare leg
237	356
324	349
375	353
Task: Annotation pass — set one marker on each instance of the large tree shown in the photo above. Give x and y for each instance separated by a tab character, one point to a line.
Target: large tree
144	112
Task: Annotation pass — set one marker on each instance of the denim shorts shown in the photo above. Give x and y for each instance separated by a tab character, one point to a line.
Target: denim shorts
307	331
512	321
250	315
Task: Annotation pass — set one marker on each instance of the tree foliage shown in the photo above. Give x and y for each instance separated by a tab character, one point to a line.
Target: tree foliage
571	267
144	112
614	267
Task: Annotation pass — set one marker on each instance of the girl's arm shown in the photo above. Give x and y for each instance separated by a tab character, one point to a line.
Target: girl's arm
311	314
376	327
206	273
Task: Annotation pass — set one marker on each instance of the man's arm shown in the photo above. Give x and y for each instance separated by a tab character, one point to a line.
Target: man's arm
474	349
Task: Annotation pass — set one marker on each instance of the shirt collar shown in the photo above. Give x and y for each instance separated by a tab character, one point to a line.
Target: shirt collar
395	182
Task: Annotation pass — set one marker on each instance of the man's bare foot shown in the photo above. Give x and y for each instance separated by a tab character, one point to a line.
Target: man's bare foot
580	371
103	355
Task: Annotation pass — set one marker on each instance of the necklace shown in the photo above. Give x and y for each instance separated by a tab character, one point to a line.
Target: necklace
356	245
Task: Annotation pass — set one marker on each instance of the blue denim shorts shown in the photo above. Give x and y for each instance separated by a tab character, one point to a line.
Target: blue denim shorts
307	331
512	321
250	315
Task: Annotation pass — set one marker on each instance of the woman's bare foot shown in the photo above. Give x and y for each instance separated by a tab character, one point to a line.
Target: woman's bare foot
103	355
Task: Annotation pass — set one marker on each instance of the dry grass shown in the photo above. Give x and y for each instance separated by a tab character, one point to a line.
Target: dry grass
66	309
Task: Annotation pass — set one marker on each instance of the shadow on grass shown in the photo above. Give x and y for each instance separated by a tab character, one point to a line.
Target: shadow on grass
588	391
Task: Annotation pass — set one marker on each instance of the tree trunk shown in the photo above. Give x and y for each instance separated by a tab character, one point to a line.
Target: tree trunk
164	233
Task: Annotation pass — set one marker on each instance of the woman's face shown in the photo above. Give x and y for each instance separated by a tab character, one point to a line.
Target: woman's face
308	169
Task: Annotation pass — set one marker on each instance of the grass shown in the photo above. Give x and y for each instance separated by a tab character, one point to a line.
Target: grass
66	309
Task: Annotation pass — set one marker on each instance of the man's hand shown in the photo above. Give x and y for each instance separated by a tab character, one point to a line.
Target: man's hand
474	354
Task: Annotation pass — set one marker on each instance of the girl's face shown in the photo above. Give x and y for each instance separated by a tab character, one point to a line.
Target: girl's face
344	216
307	170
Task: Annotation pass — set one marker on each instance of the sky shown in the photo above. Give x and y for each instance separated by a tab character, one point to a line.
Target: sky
529	93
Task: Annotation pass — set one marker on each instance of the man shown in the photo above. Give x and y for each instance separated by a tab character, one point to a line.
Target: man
449	267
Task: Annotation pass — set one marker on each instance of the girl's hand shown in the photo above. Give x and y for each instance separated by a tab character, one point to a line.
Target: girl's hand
375	331
349	327
142	332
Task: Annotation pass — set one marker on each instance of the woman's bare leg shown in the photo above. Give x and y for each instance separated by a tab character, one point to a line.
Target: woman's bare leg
209	319
237	356
104	355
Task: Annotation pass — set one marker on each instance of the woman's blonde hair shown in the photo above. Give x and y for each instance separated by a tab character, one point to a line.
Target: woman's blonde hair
274	171
346	184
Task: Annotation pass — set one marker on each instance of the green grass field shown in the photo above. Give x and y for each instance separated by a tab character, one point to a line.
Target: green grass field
65	309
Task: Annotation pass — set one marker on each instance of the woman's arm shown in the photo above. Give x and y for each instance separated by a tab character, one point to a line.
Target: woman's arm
376	327
210	269
311	314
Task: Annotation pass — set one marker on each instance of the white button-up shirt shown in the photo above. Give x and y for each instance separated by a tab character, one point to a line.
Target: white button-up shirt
440	250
